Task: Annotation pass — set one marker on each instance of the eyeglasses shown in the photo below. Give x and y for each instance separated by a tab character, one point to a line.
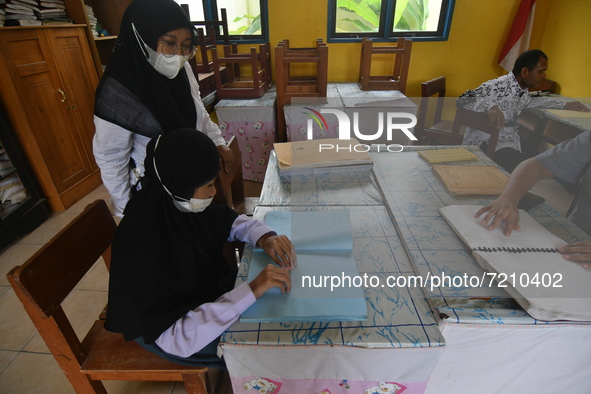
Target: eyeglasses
169	49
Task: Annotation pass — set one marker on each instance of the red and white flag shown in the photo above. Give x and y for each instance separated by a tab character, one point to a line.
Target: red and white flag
518	38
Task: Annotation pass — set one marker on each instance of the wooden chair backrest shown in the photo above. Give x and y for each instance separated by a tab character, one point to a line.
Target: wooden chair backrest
476	120
49	276
398	79
435	86
236	85
230	185
290	86
206	42
545	85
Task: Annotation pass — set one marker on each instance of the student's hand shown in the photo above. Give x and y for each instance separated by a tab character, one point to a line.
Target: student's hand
500	210
227	157
279	248
495	117
271	276
576	106
579	252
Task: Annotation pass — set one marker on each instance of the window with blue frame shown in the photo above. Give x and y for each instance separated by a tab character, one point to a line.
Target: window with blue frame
247	19
386	20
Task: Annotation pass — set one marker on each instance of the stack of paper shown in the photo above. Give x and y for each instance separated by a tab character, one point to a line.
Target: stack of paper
20	12
52	12
527	265
445	155
323	155
471	180
12	190
92	20
6	166
323	242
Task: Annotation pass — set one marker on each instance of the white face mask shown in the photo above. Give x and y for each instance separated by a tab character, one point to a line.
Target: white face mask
194	205
167	66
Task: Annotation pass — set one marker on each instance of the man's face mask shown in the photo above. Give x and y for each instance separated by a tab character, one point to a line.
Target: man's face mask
167	66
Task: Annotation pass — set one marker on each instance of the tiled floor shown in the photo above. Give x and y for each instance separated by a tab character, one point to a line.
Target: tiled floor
26	366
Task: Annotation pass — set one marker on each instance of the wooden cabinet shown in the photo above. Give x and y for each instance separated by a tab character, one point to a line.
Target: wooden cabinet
48	80
109	14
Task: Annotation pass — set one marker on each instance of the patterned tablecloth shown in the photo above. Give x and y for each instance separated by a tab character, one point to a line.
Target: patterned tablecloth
252	122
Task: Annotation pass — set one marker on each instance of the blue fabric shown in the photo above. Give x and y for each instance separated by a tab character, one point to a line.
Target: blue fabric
326	285
315	230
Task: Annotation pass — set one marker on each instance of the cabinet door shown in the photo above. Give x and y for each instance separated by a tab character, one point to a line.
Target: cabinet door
51	102
79	79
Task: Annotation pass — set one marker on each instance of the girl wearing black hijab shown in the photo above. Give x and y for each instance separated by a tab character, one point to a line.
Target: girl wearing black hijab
169	287
147	89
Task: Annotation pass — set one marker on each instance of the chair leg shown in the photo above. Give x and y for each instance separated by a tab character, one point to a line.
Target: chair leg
197	383
221	378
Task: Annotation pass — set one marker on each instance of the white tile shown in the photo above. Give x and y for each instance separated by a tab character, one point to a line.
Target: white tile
16	328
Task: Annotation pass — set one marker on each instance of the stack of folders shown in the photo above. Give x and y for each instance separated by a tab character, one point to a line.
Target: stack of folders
446	155
321	156
471	180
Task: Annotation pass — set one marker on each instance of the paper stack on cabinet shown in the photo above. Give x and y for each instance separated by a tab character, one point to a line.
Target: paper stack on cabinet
527	264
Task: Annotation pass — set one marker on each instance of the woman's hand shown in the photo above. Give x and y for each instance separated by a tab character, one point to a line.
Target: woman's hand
280	249
579	252
227	157
501	209
271	276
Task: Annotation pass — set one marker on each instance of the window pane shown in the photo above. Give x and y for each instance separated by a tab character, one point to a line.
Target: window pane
195	9
244	16
417	15
358	16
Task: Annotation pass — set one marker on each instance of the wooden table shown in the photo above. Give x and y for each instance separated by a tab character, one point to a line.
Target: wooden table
449	339
544	126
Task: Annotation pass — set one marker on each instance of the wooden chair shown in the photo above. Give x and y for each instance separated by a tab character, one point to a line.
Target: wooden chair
265	60
201	63
49	276
230	191
230	185
396	81
236	85
300	52
546	85
440	131
290	86
476	120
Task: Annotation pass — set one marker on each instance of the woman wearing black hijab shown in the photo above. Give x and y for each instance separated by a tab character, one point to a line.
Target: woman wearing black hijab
169	285
147	89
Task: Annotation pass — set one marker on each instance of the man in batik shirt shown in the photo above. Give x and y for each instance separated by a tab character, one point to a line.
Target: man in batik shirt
503	99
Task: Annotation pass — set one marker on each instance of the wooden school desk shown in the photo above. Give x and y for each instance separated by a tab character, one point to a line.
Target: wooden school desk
448	340
544	126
